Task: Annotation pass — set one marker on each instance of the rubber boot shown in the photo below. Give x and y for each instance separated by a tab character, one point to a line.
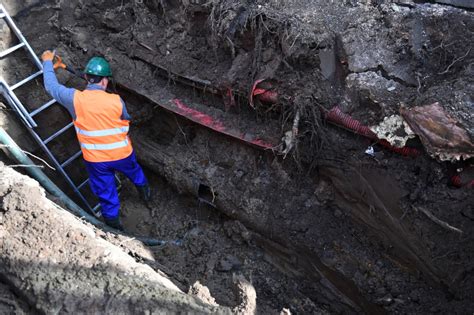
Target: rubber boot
114	223
144	192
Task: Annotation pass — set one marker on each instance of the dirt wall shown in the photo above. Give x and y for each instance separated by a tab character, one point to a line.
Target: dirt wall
60	265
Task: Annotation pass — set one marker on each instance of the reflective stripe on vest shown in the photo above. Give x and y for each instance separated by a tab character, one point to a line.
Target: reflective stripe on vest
102	133
107	146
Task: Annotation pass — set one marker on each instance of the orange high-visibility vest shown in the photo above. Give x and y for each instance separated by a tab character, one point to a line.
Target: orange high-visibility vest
101	132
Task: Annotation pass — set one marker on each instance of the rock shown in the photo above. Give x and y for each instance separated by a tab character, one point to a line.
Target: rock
202	293
371	87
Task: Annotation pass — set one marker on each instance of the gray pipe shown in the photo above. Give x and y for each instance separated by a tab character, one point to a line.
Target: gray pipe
54	190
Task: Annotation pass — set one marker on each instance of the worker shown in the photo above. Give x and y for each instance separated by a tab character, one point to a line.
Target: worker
101	122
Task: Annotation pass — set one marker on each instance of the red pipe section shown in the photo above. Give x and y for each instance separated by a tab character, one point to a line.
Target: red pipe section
341	119
264	91
270	97
405	151
456	181
180	108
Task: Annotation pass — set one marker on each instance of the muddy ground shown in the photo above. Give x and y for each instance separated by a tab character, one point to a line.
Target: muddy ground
326	229
58	264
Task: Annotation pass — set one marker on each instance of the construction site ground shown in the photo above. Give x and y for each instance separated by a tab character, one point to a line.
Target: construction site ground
322	228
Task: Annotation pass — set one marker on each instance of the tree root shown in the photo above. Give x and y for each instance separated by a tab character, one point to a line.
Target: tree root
438	221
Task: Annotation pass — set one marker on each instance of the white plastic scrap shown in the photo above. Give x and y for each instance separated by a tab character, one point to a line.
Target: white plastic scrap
394	129
370	151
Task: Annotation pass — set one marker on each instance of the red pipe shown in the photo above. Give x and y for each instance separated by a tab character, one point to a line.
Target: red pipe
405	151
456	181
339	118
180	108
264	94
270	97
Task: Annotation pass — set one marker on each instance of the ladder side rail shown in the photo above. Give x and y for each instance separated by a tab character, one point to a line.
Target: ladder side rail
58	167
24	113
20	36
16	104
20	110
54	161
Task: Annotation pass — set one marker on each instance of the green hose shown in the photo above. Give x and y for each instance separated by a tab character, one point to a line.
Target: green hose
54	190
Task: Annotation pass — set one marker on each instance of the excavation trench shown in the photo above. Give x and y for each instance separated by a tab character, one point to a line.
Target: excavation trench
196	160
324	228
317	281
172	136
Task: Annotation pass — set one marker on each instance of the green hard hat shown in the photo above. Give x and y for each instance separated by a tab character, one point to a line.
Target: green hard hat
98	66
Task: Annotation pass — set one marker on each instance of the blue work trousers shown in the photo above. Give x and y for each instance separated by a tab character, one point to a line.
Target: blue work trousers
102	181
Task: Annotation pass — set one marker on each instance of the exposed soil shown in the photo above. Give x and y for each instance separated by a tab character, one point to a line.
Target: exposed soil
10	303
214	250
326	228
57	264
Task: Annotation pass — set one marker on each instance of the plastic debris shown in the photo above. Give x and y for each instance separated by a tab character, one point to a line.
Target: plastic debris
370	151
395	130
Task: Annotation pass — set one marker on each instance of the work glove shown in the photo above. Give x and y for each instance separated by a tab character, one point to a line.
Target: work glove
48	55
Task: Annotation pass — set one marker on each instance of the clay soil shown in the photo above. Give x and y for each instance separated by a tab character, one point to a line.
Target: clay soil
324	229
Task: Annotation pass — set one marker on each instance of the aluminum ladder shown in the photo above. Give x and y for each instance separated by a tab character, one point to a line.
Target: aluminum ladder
27	117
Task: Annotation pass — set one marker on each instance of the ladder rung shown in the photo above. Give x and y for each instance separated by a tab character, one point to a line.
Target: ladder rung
15	103
57	133
11	49
2	15
72	158
83	184
96	210
43	107
31	77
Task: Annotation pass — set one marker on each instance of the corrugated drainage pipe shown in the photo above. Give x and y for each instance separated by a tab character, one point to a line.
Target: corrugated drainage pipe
54	190
337	117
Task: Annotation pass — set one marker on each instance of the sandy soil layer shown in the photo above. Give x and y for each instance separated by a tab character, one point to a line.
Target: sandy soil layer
60	265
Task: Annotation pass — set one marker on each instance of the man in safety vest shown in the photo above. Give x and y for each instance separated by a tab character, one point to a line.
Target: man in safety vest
101	121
